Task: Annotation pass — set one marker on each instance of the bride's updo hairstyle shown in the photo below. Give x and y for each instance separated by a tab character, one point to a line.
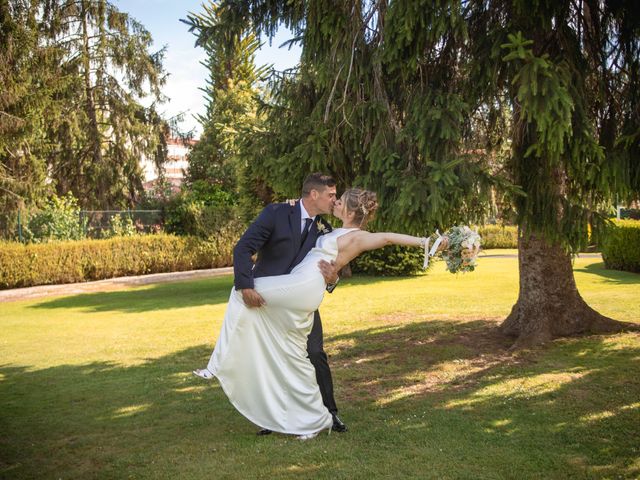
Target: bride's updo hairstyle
363	203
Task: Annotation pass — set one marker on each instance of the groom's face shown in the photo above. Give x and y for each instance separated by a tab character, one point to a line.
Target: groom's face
325	199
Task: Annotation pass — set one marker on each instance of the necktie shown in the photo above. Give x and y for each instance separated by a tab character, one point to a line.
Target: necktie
305	230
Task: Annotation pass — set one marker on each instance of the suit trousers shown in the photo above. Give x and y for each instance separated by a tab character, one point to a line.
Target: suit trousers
315	349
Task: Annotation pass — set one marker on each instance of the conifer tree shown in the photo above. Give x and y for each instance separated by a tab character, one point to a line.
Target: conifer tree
25	81
76	73
103	130
419	100
231	95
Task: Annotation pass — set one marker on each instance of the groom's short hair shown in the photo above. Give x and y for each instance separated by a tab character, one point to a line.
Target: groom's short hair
317	181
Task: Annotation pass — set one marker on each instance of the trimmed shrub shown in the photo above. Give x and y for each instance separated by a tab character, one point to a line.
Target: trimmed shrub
202	212
621	246
58	220
80	261
630	213
389	261
499	236
120	225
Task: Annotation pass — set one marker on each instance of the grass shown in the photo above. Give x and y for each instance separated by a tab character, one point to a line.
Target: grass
98	386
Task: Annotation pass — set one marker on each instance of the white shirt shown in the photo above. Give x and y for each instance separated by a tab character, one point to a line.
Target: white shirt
304	215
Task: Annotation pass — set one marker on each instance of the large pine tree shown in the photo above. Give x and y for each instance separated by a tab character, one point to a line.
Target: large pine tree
75	74
101	128
25	85
419	99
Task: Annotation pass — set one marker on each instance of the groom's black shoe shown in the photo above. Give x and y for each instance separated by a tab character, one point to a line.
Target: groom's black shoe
264	431
338	426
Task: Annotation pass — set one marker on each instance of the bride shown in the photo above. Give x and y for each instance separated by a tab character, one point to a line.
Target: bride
260	358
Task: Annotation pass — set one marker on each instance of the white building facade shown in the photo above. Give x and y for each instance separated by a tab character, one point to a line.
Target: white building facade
174	168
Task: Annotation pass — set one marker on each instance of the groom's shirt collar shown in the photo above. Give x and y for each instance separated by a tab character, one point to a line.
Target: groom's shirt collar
303	215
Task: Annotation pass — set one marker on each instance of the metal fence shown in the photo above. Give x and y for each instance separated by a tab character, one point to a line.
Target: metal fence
95	223
99	223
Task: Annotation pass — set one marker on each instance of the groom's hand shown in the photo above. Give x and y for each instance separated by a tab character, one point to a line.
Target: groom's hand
328	271
252	298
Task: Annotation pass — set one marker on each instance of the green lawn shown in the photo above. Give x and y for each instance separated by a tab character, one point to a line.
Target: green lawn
99	386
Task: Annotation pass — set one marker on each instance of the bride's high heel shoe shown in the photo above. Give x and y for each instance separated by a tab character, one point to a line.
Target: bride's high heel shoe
203	373
309	436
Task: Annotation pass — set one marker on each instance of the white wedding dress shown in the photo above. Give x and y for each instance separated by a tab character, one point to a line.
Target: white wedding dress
260	357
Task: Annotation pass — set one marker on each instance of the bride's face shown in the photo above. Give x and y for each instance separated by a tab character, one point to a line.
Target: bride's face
340	210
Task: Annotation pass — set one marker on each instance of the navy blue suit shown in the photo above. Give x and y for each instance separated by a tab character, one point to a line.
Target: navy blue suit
275	236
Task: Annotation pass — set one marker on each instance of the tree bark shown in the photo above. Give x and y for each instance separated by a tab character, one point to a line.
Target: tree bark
94	136
549	304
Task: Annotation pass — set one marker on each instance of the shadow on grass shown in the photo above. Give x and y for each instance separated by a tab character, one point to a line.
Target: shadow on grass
167	296
97	418
616	277
160	296
570	408
575	400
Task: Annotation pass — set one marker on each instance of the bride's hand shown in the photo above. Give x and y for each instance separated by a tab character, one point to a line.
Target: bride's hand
329	271
444	244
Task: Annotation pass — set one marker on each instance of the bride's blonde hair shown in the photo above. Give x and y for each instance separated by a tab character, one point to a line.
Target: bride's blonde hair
363	203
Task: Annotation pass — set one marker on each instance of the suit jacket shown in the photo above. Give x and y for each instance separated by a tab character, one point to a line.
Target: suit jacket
275	236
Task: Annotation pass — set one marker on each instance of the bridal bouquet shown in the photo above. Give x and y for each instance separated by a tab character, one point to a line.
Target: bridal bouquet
462	251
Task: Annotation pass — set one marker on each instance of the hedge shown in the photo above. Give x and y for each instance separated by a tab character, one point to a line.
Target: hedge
392	261
621	246
80	261
497	236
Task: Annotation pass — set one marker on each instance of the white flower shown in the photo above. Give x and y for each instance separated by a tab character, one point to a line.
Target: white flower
464	245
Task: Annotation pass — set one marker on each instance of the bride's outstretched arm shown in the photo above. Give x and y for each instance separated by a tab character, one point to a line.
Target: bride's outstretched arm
372	241
353	244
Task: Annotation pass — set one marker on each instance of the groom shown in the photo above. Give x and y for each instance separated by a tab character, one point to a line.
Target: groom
282	235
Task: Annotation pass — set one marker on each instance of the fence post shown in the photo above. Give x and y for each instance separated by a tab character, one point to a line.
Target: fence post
19	226
81	220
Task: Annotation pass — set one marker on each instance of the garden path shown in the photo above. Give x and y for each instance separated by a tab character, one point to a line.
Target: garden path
118	283
109	284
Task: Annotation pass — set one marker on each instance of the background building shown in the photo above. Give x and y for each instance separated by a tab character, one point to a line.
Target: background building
174	168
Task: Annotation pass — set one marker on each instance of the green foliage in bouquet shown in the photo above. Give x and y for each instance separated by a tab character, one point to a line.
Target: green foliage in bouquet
621	246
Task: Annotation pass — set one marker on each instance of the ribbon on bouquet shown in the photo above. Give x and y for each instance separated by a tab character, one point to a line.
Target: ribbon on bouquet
434	248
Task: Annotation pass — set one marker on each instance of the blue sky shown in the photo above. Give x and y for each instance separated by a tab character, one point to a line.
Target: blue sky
182	59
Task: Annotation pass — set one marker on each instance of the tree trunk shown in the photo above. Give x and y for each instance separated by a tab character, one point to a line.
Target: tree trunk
94	136
549	304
